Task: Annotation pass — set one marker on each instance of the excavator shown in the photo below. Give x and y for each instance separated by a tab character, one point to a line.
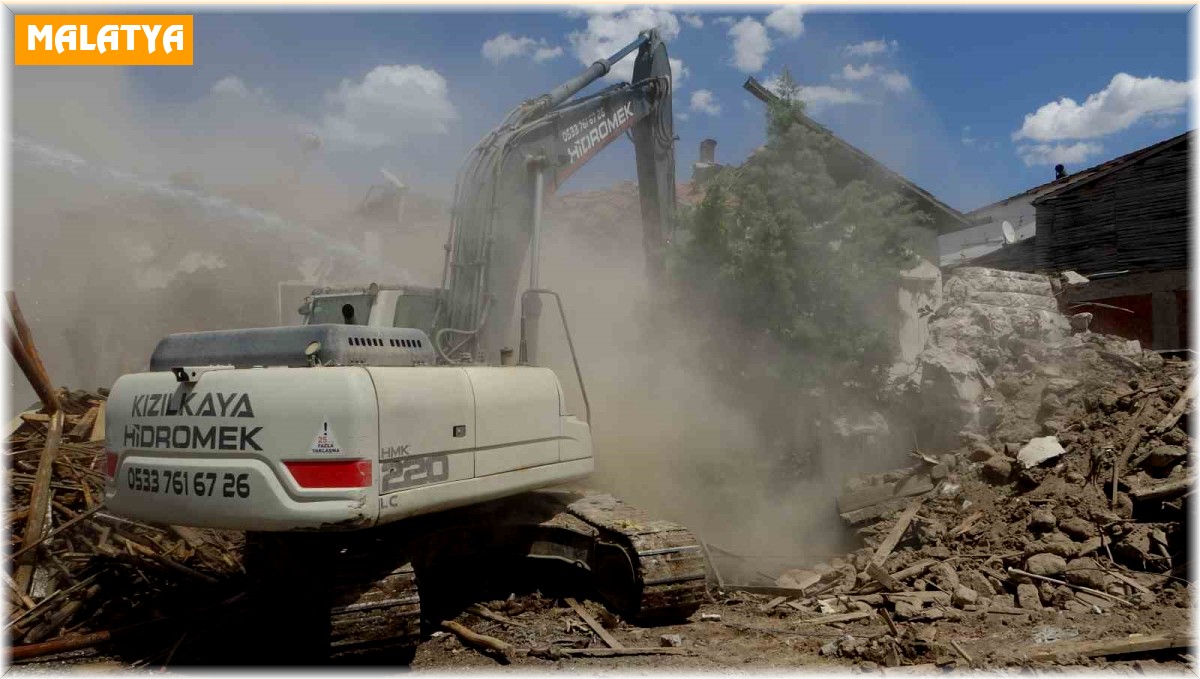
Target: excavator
394	438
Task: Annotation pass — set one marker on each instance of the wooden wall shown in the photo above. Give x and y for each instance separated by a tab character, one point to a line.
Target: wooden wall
1135	218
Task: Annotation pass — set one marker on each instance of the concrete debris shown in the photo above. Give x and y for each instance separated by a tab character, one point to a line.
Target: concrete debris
1039	450
1166	456
1028	597
1031	524
1041	521
1072	278
1045	564
670	641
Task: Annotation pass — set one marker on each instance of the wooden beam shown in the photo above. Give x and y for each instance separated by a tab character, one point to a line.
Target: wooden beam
1132	644
39	500
98	427
882	577
840	617
591	622
1178	410
1162	491
897	532
24	336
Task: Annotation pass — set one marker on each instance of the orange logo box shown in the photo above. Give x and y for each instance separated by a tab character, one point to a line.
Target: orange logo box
103	39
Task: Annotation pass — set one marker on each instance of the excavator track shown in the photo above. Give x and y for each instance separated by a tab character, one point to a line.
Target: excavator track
341	597
375	606
362	600
666	565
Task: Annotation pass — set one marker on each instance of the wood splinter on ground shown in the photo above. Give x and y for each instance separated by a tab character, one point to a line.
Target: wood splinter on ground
591	622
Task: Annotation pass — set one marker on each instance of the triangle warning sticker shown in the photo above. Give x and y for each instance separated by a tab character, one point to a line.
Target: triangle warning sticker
325	443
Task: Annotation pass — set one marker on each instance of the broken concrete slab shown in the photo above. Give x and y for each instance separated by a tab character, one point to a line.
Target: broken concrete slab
1039	450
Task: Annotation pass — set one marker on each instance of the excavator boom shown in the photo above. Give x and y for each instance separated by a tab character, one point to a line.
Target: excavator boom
499	193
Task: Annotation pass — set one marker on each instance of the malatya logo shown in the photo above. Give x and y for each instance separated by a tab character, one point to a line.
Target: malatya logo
103	40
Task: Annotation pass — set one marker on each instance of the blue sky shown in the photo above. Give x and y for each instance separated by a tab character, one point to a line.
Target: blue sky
936	96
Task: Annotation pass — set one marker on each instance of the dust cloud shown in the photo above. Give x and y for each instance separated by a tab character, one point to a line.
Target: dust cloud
669	437
131	221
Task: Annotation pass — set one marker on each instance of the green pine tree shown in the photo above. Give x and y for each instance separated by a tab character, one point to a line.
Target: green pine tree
804	269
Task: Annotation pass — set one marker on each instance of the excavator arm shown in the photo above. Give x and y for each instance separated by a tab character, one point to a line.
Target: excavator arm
501	188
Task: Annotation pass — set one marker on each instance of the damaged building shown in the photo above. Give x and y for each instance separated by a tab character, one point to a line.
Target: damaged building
1123	224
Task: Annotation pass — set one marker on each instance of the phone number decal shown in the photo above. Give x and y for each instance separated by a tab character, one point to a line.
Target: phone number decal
190	483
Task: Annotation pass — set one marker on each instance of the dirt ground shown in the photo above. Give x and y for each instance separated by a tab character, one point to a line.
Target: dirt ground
746	638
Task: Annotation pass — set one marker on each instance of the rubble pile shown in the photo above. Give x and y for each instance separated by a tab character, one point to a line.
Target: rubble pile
1066	491
89	571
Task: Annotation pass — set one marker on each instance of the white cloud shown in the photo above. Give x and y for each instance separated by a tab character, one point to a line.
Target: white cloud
893	81
818	97
1052	154
967	139
750	45
849	72
507	46
725	21
608	31
547	53
233	86
896	81
389	105
1126	100
703	101
788	20
870	48
693	20
680	116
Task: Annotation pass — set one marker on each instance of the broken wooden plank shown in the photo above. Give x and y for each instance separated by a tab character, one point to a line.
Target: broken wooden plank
1177	411
488	614
1137	643
966	524
76	519
923	597
39	501
1163	491
873	513
84	426
98	427
769	590
887	618
889	543
882	577
838	617
876	494
1090	545
553	653
772	603
24	350
591	622
961	651
1131	582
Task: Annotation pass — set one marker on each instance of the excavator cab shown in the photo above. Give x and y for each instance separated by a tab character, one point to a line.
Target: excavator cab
376	306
